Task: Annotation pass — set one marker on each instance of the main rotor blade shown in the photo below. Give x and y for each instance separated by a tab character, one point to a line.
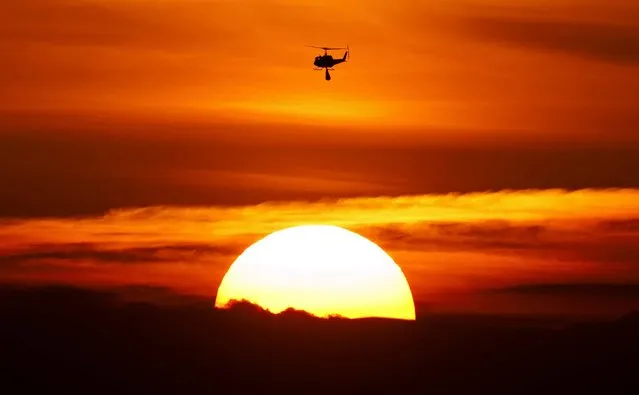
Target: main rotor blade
325	48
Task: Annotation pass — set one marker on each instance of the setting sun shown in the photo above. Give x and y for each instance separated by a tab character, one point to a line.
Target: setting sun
324	270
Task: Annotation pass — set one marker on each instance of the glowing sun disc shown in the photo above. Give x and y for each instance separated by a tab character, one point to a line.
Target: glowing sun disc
321	269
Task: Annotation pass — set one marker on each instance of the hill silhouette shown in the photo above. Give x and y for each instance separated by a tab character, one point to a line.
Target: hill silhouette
72	341
247	310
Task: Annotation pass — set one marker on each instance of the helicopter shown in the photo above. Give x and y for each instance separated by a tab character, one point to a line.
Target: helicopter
327	62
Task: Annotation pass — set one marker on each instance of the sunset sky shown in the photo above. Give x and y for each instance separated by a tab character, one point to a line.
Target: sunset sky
490	146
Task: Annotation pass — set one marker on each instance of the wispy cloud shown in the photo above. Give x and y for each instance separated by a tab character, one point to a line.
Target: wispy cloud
606	42
556	238
98	253
586	289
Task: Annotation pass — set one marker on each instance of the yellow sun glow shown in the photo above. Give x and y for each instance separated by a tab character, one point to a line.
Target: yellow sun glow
321	269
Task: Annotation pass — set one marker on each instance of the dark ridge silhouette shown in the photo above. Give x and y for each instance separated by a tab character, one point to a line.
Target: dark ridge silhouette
247	308
73	341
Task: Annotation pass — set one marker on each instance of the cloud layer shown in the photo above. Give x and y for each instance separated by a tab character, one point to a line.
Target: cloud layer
446	244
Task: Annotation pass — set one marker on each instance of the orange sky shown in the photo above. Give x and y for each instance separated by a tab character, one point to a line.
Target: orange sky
476	67
200	111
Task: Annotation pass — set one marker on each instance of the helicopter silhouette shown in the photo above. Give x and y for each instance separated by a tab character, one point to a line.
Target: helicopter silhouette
327	62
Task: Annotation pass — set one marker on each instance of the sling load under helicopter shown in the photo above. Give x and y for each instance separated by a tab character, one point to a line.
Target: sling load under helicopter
327	62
